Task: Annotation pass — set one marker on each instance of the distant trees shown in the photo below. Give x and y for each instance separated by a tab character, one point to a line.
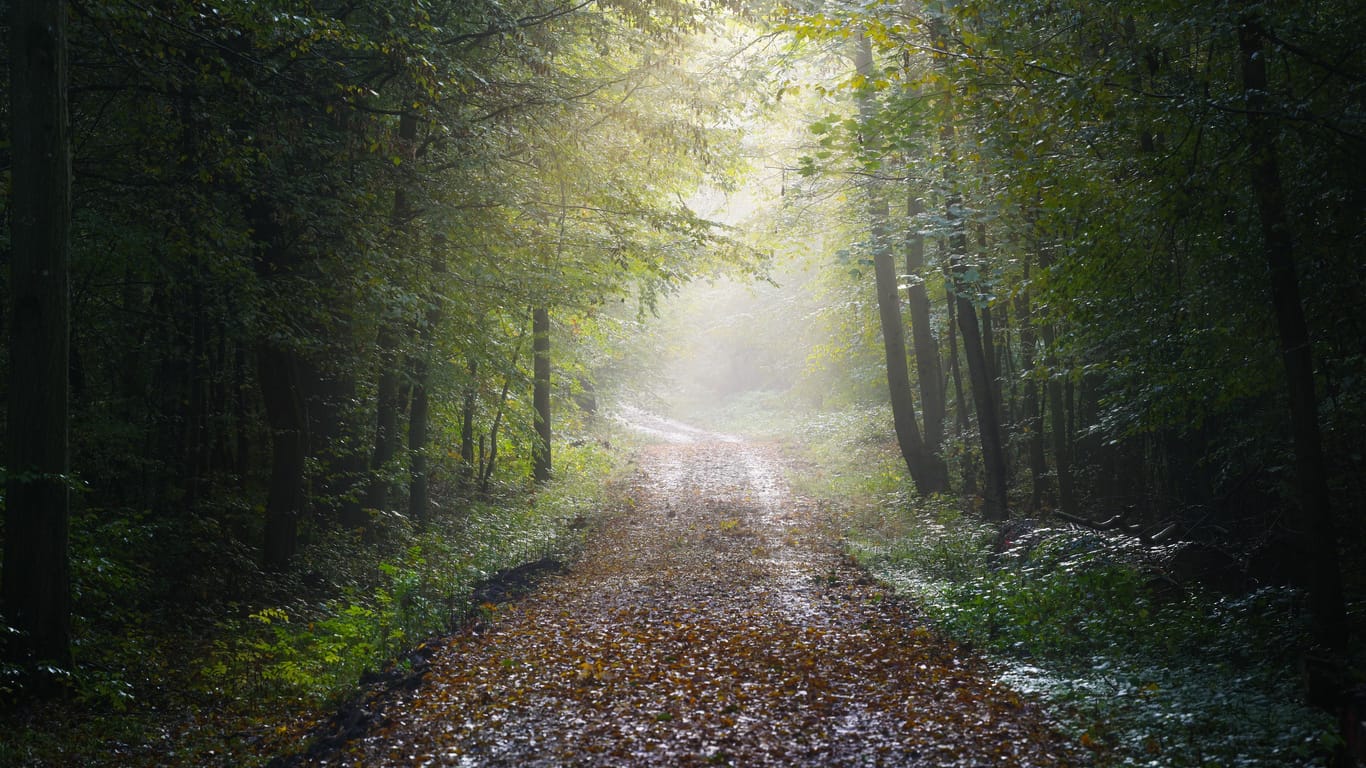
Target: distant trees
1108	193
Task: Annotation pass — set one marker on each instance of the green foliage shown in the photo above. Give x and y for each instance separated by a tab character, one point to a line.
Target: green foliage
392	599
1069	616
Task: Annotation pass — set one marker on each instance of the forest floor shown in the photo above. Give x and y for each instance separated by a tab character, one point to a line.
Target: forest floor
711	621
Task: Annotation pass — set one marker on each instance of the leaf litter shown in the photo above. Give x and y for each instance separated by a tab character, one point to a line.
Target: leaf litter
711	621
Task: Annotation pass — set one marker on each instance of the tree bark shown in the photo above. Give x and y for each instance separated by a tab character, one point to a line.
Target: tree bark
967	467
926	346
471	470
927	471
1041	490
37	584
540	392
979	372
419	418
1316	534
1061	431
989	351
278	374
988	422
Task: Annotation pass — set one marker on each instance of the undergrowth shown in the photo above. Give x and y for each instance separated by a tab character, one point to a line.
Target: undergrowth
1197	681
1141	677
234	672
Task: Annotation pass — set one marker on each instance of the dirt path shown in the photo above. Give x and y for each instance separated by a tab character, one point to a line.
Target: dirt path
712	622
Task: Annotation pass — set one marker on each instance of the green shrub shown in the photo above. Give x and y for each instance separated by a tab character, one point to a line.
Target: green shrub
1201	682
388	598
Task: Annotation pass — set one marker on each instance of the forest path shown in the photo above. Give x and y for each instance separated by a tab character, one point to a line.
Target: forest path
712	621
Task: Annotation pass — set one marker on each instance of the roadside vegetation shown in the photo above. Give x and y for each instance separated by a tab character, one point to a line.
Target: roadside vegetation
1141	666
182	668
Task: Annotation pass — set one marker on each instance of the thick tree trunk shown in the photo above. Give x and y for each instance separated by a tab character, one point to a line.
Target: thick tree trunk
1316	532
927	470
37	585
540	392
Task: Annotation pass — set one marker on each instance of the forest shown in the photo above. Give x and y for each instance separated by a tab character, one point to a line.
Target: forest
342	332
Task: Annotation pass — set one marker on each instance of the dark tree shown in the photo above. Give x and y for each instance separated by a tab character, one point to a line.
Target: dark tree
927	469
37	588
1315	534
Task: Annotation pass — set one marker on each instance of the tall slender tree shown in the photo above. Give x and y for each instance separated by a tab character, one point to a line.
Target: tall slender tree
927	469
964	280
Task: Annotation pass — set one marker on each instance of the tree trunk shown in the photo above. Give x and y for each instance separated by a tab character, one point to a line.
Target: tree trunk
989	351
540	392
1316	534
932	394
418	422
979	372
420	416
927	471
988	422
1057	416
37	584
968	467
1041	490
387	396
470	469
278	374
486	469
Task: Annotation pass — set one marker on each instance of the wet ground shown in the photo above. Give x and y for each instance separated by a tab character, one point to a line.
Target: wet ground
712	621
